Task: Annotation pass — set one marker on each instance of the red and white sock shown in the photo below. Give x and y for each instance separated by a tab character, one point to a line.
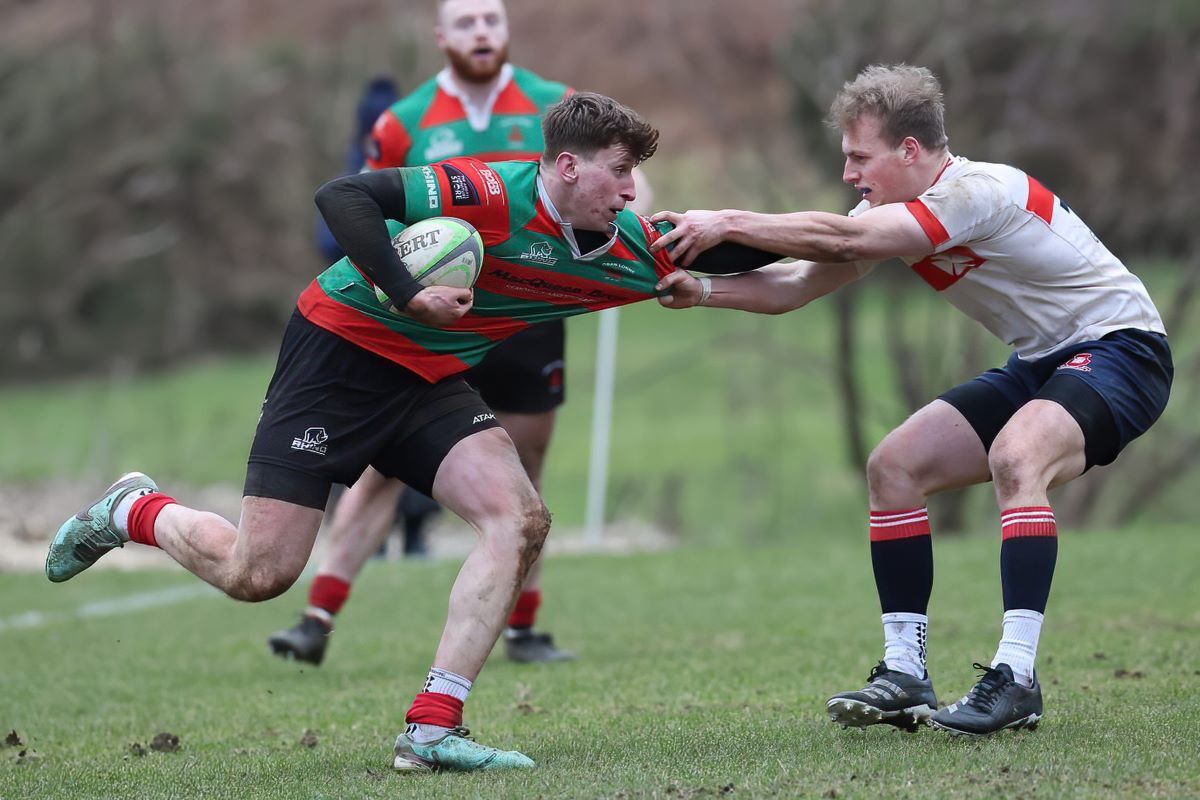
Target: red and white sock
439	706
120	514
326	596
139	515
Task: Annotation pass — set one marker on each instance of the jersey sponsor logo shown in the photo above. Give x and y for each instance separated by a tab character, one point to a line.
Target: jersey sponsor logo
462	191
617	266
539	253
491	181
443	144
549	287
482	418
431	187
1079	361
313	441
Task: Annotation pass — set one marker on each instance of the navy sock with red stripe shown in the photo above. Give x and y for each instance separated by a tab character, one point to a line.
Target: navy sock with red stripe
902	557
1028	554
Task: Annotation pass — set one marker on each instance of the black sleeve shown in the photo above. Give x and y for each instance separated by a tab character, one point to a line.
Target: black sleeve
355	208
729	258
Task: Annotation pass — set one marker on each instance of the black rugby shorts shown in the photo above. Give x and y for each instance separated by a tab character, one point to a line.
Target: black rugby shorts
333	408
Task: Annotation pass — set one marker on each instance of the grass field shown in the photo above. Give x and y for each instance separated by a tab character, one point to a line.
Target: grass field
702	673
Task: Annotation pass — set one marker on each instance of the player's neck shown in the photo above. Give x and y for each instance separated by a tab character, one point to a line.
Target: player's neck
556	192
938	164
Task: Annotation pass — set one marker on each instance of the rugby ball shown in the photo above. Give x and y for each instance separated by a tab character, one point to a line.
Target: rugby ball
441	251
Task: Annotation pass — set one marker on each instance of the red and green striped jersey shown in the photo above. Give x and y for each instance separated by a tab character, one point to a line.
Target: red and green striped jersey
433	124
532	269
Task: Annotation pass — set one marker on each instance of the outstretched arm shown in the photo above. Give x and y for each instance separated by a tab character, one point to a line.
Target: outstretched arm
887	231
773	289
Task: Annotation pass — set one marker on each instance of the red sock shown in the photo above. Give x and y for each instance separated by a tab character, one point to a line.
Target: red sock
143	515
525	611
434	708
328	593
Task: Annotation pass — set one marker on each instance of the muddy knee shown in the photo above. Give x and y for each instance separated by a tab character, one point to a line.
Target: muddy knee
257	585
535	526
1013	471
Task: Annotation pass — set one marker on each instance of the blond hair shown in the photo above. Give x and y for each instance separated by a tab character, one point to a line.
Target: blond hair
906	100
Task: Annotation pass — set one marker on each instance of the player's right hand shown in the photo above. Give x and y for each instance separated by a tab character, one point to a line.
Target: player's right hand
440	306
679	289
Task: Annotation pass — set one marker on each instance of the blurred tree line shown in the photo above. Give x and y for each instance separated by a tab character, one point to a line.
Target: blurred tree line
159	158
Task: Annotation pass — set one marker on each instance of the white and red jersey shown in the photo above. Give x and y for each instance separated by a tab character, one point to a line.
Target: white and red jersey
1014	257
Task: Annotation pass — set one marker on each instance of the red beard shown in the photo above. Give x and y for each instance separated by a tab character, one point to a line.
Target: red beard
469	70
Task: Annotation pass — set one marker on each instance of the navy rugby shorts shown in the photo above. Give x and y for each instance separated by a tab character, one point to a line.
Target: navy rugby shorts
333	408
1115	387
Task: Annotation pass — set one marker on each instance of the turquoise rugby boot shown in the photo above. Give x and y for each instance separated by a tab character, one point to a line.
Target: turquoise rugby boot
456	752
90	534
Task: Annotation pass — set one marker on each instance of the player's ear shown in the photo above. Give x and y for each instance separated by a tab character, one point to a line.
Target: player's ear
567	165
911	149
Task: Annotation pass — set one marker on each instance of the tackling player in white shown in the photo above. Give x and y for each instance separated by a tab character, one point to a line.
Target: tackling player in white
1091	370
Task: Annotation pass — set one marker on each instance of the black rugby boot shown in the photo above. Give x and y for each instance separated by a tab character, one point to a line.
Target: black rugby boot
890	697
995	703
304	641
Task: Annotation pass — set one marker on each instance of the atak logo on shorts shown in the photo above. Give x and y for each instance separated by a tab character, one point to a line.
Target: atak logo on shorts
313	441
539	253
482	418
1079	361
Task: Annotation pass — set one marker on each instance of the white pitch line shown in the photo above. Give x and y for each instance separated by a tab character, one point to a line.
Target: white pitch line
105	608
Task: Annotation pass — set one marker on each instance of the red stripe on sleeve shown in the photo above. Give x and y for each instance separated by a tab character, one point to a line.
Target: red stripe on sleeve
929	223
1041	201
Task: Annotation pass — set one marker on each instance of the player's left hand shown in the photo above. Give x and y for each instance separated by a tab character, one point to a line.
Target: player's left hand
679	290
695	232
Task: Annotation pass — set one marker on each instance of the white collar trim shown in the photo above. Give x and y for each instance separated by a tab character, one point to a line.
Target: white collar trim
479	117
568	230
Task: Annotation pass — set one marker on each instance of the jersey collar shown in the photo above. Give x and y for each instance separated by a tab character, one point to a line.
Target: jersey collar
952	161
568	230
479	117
